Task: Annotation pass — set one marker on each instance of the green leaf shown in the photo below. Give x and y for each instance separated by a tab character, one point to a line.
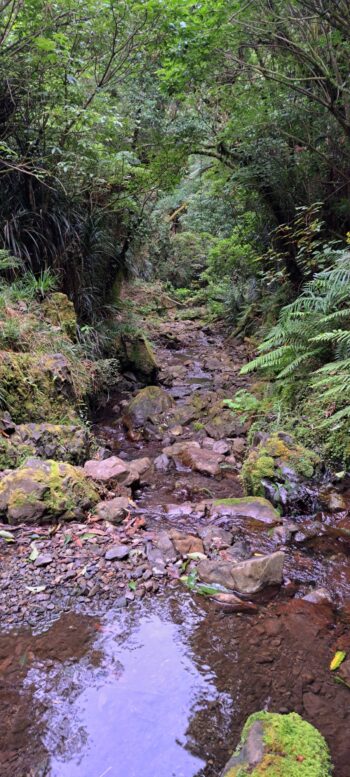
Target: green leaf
337	660
88	536
132	585
34	554
6	535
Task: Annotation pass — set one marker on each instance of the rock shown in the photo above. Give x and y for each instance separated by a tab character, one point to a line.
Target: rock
332	501
344	671
111	470
117	553
47	441
162	463
164	544
58	309
147	405
258	508
223	424
38	386
319	596
246	577
186	543
218	446
196	458
282	470
43	560
45	491
136	354
274	744
215	537
139	471
113	510
238	445
179	511
176	431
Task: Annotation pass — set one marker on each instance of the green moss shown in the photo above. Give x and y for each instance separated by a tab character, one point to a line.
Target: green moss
59	310
269	459
293	748
197	426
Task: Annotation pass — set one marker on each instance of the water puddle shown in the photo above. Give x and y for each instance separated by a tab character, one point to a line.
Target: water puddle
125	709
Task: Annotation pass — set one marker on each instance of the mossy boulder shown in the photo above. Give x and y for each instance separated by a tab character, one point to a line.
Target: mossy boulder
221	422
136	354
148	404
48	441
37	386
257	508
280	469
274	745
59	310
44	491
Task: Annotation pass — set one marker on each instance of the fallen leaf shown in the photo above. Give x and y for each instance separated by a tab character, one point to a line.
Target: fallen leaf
36	589
6	535
88	536
34	554
337	660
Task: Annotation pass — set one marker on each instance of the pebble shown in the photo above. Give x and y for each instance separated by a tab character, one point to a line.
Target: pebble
117	552
43	560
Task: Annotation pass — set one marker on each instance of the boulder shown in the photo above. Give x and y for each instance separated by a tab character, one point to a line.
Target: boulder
258	508
186	543
109	471
47	441
37	386
147	405
58	309
222	423
45	491
136	354
273	744
139	471
113	510
198	459
282	470
246	577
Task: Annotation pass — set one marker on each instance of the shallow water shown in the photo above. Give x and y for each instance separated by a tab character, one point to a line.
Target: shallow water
125	708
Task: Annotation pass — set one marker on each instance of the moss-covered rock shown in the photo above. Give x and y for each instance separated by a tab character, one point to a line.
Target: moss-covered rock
258	508
48	441
42	491
274	745
279	468
59	310
37	386
137	354
147	405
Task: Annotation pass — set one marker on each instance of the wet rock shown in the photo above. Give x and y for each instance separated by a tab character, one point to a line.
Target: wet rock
45	491
111	470
319	596
147	405
117	553
180	510
280	744
214	537
223	424
281	469
165	547
246	577
332	501
186	543
162	463
258	508
113	510
239	551
218	446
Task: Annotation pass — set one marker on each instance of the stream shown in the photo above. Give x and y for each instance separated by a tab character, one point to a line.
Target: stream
163	687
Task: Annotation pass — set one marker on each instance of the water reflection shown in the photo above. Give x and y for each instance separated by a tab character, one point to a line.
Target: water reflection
125	709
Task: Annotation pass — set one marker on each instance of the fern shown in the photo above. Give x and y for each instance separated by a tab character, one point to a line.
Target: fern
311	340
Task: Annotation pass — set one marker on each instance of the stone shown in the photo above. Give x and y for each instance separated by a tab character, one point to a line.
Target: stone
164	544
179	511
113	510
109	471
148	404
319	596
186	543
257	508
136	353
198	459
218	446
215	537
117	553
162	463
281	469
139	471
43	560
273	744
223	424
246	577
48	441
58	309
238	445
332	501
41	491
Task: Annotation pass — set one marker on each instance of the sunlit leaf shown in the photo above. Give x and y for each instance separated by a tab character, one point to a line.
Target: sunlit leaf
337	660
